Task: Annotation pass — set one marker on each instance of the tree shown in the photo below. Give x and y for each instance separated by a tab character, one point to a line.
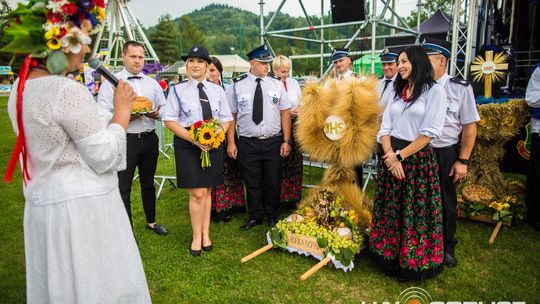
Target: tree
428	8
166	40
190	35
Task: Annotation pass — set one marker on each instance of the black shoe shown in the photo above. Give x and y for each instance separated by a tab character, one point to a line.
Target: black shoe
250	224
272	222
450	260
227	218
208	248
194	253
158	229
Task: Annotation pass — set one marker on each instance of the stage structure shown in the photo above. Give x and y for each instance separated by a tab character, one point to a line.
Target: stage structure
464	11
121	23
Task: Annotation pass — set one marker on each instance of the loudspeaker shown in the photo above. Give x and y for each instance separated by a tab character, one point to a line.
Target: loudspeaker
347	10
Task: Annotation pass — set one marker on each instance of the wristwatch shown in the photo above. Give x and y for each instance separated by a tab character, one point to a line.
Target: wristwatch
463	161
398	156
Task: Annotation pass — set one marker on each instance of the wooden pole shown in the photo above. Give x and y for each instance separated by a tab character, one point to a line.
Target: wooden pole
495	232
314	269
256	253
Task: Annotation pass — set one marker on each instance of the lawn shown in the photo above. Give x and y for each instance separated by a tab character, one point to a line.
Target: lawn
508	270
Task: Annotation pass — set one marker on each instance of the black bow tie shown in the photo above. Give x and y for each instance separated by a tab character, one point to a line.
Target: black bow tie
134	77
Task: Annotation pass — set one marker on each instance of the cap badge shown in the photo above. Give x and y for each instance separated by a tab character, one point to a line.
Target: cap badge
195	49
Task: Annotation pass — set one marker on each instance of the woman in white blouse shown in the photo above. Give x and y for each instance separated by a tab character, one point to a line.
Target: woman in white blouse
79	246
406	232
190	101
291	186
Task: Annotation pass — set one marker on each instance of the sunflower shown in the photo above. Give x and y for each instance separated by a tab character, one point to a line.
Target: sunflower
53	44
207	136
221	137
192	134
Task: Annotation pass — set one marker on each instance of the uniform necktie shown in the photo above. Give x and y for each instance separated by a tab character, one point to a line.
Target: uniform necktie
258	103
386	82
285	84
205	103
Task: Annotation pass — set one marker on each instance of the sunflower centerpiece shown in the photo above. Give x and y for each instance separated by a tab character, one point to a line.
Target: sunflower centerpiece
208	133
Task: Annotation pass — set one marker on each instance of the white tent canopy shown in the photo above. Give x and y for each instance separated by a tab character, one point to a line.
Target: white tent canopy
231	64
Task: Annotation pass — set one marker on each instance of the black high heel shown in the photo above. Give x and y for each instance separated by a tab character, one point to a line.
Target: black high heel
208	248
194	253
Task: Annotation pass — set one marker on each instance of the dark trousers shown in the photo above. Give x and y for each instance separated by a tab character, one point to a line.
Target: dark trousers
142	153
532	189
259	161
447	157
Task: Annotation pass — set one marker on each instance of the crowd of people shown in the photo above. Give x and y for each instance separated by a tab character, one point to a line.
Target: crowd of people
79	158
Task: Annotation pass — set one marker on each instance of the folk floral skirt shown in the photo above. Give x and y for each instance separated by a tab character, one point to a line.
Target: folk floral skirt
407	226
229	194
293	169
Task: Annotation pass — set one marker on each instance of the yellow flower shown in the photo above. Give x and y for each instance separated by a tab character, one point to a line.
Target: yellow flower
221	137
52	33
102	14
483	122
207	136
192	134
53	44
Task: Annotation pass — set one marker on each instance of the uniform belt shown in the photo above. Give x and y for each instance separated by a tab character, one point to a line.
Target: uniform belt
263	137
140	135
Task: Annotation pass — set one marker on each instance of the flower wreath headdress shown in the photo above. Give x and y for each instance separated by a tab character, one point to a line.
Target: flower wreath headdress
46	29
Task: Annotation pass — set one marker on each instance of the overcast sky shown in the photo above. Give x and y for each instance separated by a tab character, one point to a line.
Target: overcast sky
148	11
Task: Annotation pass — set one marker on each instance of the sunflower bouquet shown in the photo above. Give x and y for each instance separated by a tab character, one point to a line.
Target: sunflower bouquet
208	133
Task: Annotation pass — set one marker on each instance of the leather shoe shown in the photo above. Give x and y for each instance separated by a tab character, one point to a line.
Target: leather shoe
250	224
272	222
208	248
158	229
450	260
194	253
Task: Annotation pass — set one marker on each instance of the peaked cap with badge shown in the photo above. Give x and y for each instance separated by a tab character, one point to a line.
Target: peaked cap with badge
198	51
261	54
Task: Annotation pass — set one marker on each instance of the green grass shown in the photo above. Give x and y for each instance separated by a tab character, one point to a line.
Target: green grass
507	270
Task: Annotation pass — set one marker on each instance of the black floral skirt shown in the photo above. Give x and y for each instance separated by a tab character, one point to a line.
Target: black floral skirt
407	226
229	194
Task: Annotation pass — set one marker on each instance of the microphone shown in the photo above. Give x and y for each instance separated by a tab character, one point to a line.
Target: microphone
97	65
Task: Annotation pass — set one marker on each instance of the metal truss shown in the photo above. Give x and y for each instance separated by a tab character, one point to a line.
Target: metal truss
120	22
463	40
375	19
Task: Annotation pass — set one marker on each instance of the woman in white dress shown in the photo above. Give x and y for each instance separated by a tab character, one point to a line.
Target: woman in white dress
79	246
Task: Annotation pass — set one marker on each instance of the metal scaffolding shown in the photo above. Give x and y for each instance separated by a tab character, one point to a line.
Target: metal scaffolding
110	39
464	11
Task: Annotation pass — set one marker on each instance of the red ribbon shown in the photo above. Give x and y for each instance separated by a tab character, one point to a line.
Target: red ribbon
20	145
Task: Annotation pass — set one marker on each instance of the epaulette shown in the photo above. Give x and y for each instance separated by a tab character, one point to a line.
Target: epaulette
275	77
185	80
237	79
460	81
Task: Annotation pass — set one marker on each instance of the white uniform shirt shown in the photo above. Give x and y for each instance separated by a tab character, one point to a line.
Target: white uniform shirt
460	111
293	92
347	75
388	93
184	107
533	98
145	86
424	117
275	100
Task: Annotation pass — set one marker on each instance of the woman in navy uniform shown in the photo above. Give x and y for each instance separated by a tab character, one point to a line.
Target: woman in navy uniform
190	101
227	197
407	231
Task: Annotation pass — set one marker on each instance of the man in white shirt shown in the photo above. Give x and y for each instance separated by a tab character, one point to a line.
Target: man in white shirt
142	141
452	152
389	69
342	64
532	190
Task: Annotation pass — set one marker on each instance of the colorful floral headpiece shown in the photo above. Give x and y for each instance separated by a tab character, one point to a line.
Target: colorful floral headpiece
51	28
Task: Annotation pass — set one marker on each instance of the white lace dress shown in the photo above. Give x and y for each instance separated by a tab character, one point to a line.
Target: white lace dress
79	245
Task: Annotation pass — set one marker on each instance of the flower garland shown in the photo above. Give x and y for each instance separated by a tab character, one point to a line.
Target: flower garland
50	29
